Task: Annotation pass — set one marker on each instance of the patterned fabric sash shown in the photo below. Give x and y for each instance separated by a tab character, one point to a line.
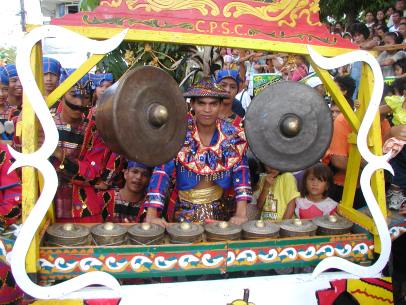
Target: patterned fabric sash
202	196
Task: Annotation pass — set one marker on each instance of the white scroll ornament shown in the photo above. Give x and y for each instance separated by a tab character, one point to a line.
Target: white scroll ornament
39	160
374	163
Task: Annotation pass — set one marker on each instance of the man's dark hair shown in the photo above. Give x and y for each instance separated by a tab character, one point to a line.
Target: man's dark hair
402	64
321	172
359	28
382	27
387	90
255	167
399	85
396	36
347	83
193	99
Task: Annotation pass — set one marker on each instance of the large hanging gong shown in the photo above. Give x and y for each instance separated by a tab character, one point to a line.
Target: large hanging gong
288	126
143	116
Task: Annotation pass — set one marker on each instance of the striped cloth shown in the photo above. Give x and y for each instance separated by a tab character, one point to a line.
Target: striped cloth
70	141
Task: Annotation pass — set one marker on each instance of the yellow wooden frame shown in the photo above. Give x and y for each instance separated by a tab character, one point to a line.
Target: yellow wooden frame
203	40
29	123
29	135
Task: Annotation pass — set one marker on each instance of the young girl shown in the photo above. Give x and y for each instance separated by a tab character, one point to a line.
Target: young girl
400	68
380	18
278	192
301	69
396	103
387	58
4	107
314	201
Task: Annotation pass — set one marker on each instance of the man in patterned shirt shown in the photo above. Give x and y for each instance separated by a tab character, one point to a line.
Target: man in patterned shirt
231	109
127	204
10	212
10	192
4	106
15	89
79	158
10	101
212	159
52	72
15	93
102	81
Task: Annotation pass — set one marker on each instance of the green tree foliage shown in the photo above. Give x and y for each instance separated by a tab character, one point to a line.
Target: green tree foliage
88	5
8	55
349	10
132	54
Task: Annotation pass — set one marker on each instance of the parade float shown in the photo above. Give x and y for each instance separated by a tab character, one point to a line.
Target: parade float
346	263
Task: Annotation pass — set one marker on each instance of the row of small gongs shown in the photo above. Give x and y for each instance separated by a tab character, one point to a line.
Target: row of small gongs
110	234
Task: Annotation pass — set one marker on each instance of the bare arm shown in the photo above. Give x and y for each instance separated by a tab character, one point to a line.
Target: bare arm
401	76
244	57
240	214
386	136
398	132
258	66
152	217
387	62
262	197
369	44
385	109
339	162
290	209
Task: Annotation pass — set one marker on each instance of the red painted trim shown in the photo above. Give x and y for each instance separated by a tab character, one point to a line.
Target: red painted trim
294	24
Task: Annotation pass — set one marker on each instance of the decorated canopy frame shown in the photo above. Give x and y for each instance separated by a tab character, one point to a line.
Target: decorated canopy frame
279	26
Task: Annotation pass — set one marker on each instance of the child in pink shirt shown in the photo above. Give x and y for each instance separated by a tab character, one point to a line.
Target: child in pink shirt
314	201
301	69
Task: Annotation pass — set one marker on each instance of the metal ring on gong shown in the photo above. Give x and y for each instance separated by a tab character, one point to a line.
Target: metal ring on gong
143	116
288	126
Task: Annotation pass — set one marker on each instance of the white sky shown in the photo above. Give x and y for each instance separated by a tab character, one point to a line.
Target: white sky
10	27
11	33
